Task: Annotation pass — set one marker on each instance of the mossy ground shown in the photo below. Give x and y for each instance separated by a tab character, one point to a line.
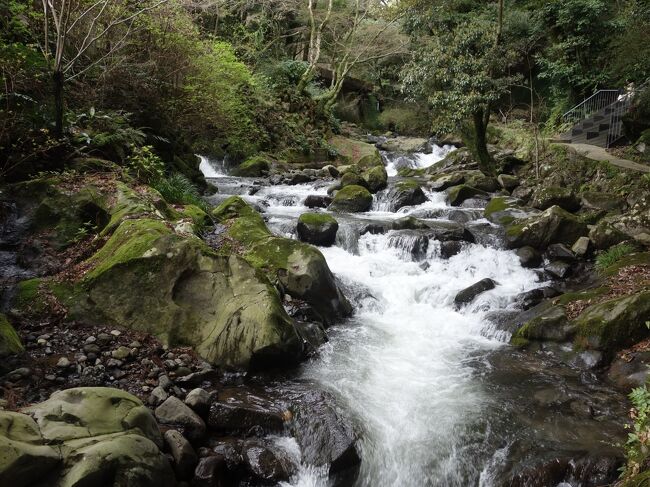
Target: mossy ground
9	339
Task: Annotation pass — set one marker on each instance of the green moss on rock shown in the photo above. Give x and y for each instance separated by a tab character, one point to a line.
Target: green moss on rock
457	194
353	199
554	225
9	339
254	167
355	152
377	178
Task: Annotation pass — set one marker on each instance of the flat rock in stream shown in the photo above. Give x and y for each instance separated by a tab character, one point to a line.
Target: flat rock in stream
240	409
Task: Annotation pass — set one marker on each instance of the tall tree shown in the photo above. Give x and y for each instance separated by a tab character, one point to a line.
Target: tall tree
71	31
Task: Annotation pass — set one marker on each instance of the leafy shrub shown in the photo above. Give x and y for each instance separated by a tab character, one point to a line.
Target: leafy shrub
613	255
145	165
285	75
638	441
108	133
405	120
177	189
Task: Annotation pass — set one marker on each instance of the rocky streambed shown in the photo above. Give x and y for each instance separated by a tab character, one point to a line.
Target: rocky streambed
381	358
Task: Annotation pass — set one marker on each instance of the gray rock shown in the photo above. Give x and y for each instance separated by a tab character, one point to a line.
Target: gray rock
468	294
210	472
529	257
174	411
507	181
558	269
184	456
199	400
560	252
582	247
157	396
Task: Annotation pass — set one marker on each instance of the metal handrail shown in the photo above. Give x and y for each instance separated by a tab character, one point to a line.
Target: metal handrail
596	102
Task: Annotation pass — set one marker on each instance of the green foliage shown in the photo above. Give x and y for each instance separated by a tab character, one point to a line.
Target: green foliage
638	440
406	120
612	256
177	189
105	133
630	56
145	165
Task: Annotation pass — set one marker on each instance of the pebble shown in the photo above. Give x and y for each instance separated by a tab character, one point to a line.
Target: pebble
164	382
91	348
63	363
121	353
157	396
199	400
104	339
19	373
91	339
116	333
135	344
183	371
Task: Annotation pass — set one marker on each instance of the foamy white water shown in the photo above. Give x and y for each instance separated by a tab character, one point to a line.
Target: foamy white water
418	160
211	168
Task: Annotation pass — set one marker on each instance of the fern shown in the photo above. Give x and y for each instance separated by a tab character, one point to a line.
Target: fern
177	189
612	256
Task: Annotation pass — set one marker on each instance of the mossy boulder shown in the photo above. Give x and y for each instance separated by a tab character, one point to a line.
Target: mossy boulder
298	269
551	324
254	167
352	199
504	210
440	182
457	194
317	228
615	324
356	152
351	178
478	180
9	340
507	182
187	294
376	178
565	198
554	225
84	436
405	193
198	216
595	200
409	223
604	235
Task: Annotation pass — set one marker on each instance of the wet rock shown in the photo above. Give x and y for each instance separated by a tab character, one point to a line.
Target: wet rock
558	269
184	456
545	198
199	400
266	463
376	178
529	257
458	194
352	179
313	334
239	409
447	181
230	451
533	297
450	231
405	193
317	201
207	376
174	412
413	243
158	396
352	199
373	229
449	249
522	193
9	340
589	471
630	370
545	323
560	252
317	229
210	472
468	294
323	435
409	223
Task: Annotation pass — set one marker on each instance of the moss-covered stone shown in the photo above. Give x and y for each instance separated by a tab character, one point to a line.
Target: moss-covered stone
478	180
440	182
596	200
550	325
186	295
615	324
317	228
353	199
545	197
298	268
9	340
376	178
355	152
457	194
254	167
28	298
554	225
199	217
604	235
351	178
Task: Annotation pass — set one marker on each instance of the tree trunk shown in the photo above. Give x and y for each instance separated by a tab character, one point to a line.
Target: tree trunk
475	137
58	79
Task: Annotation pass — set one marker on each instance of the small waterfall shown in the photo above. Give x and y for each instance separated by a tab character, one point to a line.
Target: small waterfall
417	160
211	168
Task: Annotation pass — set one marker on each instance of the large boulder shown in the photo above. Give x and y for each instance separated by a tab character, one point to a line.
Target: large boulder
457	194
596	200
547	323
604	235
352	199
614	324
554	225
85	436
317	228
405	193
254	167
188	294
356	152
295	267
351	178
470	293
545	197
376	178
9	340
504	210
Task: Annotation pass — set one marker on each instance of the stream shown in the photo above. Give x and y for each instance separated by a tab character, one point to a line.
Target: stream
437	395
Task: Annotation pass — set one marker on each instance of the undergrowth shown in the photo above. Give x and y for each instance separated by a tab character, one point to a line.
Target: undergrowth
612	256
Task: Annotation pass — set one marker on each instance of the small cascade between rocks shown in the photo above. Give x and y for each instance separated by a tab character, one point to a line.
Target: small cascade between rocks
436	395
